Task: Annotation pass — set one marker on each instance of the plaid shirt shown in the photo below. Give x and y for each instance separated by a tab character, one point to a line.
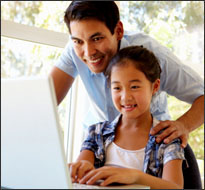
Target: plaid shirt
156	154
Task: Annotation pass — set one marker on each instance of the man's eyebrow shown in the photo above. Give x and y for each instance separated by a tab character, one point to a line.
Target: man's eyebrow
96	34
92	36
74	38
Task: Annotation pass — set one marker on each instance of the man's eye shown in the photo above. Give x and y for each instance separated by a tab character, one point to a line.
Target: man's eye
97	39
77	41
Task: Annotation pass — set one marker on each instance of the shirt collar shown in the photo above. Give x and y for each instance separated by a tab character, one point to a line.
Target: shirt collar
93	74
111	126
151	141
124	43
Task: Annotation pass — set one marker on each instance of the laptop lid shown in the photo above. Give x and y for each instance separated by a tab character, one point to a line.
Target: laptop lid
32	153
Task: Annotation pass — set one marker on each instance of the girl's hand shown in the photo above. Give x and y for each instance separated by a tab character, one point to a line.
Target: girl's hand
111	175
79	169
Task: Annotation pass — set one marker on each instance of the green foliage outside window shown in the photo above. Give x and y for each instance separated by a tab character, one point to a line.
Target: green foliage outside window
196	137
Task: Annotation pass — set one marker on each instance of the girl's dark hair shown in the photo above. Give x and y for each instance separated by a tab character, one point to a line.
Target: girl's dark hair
105	11
143	59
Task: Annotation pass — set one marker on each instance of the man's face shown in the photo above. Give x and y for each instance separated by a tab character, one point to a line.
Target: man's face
94	44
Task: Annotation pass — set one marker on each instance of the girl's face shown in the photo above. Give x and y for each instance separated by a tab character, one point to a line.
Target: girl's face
131	90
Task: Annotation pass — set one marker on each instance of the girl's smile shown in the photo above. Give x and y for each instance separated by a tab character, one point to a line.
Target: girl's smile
129	107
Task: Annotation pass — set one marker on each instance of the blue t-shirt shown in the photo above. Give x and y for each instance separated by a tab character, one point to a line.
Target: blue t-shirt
176	79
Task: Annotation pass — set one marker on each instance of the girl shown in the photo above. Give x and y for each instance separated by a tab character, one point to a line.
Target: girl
123	150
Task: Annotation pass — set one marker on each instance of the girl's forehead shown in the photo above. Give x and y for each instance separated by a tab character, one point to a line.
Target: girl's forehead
128	72
126	64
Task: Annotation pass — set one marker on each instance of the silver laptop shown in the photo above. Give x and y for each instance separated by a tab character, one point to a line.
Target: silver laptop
32	150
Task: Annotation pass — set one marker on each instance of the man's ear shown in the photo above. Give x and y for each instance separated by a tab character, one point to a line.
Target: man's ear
156	86
119	30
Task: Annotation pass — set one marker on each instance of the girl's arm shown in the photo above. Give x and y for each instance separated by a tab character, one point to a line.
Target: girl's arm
172	177
87	155
84	164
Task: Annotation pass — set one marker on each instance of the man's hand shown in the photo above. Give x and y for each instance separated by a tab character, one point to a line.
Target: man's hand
174	129
79	169
111	175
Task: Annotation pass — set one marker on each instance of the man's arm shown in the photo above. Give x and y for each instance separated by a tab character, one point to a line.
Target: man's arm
191	120
62	82
194	117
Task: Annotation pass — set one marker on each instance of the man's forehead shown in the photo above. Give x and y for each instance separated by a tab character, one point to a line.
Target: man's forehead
89	27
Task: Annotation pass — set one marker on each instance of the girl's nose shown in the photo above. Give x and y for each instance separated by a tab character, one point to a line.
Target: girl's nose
126	96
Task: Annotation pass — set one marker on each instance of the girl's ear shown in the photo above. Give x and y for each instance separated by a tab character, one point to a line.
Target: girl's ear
156	86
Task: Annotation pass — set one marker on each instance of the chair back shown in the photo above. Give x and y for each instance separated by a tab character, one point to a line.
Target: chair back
192	177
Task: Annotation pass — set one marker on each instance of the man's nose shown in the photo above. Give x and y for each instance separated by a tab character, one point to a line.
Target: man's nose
89	50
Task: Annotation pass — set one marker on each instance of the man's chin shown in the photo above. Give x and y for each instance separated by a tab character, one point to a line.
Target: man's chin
97	70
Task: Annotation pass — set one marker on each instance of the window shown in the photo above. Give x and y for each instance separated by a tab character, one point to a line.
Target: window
42	14
28	48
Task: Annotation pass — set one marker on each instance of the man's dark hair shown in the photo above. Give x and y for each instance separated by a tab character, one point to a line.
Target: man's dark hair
105	11
143	59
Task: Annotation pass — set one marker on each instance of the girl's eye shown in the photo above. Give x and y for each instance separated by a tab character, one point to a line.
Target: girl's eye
116	88
134	87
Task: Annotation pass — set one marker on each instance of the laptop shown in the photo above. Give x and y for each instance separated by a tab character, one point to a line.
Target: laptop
32	149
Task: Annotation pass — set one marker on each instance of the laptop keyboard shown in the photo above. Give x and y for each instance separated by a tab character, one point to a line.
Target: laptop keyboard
84	186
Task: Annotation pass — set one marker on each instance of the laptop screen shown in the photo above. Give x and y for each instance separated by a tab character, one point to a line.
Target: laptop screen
32	152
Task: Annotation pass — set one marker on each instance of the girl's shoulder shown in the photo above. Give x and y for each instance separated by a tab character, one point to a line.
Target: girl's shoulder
105	128
101	127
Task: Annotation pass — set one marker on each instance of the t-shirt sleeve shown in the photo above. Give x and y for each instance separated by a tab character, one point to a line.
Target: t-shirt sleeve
89	143
173	151
178	79
66	61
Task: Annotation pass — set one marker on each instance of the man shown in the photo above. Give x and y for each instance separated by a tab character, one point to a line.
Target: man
96	35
